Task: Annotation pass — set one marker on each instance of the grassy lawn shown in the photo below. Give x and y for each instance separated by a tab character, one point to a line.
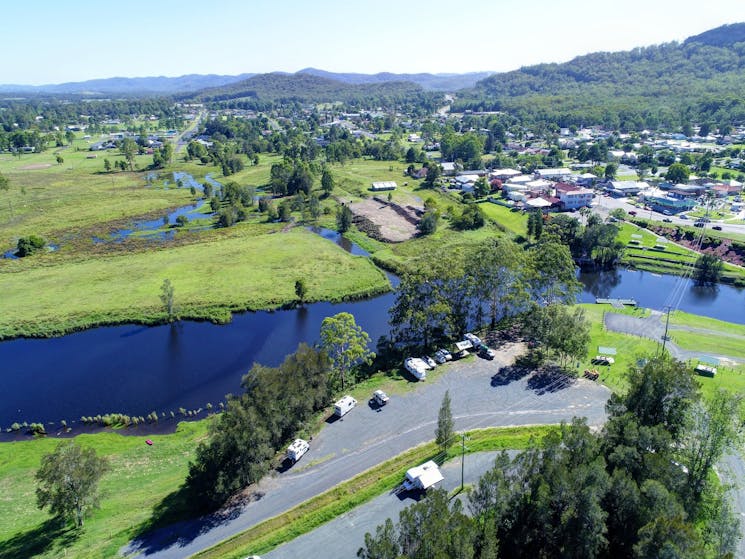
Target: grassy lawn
244	267
629	348
709	343
442	244
357	491
680	318
141	477
515	222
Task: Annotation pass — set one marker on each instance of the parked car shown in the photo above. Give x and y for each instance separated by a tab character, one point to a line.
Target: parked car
717	227
443	355
429	361
667	220
698	224
632	212
380	397
487	352
474	339
683	216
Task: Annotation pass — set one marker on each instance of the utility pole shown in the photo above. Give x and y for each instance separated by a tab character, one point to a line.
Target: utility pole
462	457
667	324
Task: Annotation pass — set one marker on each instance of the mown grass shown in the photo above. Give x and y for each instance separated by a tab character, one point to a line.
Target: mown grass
681	318
248	267
628	348
710	343
360	489
141	477
515	222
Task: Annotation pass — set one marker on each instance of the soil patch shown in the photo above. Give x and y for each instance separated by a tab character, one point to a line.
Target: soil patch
385	221
36	166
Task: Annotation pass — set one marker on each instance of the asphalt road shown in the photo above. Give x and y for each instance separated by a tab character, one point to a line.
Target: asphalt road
367	436
605	204
344	535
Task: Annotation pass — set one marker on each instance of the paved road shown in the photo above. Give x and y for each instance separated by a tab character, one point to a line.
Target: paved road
653	327
343	536
366	437
605	204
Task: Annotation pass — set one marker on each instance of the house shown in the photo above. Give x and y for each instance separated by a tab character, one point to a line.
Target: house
420	173
504	174
448	168
625	188
553	174
539	204
573	197
586	179
383	185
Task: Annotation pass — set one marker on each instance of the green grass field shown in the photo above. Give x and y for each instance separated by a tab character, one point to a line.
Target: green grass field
629	348
244	267
141	477
515	222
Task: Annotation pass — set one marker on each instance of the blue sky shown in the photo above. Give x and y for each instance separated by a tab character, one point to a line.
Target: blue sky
53	41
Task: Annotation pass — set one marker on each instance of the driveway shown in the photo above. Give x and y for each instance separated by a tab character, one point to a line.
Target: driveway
480	396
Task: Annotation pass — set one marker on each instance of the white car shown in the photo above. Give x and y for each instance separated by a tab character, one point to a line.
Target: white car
380	397
473	338
429	361
443	356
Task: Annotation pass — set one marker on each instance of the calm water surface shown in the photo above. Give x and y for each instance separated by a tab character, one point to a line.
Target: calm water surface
136	370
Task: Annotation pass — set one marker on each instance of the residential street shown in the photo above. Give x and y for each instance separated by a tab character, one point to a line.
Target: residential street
366	437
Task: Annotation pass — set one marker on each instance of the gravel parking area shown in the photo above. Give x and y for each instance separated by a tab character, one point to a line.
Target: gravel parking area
481	396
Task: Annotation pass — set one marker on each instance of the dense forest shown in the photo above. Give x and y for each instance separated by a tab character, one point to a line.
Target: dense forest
647	87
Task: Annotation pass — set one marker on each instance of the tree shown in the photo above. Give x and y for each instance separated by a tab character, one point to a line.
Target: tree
428	224
70	136
128	148
677	173
535	224
301	290
29	245
560	330
166	297
107	165
714	427
610	170
481	187
444	432
433	173
68	479
343	219
327	182
708	269
4	182
60	160
346	344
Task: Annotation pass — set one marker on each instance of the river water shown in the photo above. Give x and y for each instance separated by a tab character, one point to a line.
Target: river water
135	370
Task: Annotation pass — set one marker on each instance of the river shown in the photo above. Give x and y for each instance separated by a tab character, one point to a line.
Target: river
135	369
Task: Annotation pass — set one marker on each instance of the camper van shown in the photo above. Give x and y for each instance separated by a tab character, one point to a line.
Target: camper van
296	450
416	367
344	406
422	477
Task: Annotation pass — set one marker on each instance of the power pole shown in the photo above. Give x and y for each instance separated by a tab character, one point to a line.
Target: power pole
667	324
462	457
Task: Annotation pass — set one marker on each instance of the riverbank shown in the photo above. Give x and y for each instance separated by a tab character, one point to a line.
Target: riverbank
247	268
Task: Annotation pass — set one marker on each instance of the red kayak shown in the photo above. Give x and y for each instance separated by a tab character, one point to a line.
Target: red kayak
149	442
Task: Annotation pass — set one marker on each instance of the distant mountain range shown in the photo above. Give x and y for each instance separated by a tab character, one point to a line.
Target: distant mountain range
301	87
162	85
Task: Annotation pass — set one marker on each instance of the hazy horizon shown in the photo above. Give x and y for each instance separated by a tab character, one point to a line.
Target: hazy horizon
71	42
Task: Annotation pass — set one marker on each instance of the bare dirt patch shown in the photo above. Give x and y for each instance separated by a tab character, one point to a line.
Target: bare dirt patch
385	221
36	166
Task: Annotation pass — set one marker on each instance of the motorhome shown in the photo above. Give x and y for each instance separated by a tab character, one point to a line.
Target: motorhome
416	367
296	450
344	406
422	477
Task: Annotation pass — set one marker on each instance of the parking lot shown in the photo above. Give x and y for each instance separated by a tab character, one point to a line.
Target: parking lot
482	395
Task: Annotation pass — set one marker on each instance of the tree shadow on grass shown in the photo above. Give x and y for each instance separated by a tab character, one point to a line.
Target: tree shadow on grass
175	521
49	535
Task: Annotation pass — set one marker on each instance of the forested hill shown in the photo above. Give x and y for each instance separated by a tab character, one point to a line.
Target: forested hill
304	88
436	82
702	76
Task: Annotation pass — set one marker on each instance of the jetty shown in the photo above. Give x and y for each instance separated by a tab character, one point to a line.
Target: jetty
616	303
